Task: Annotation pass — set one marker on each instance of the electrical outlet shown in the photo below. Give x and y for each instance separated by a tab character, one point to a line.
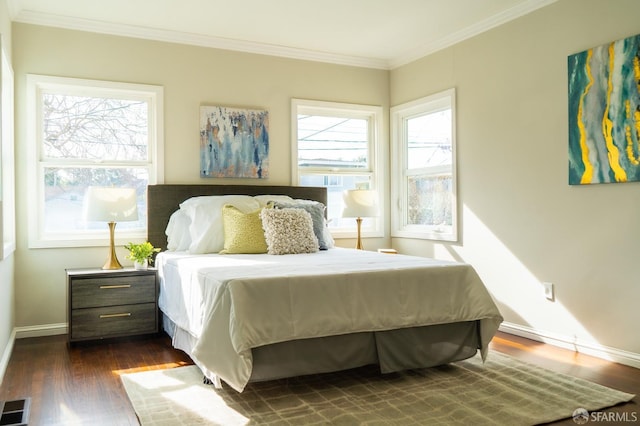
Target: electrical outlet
548	290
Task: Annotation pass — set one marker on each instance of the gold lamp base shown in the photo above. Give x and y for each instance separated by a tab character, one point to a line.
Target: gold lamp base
112	260
359	241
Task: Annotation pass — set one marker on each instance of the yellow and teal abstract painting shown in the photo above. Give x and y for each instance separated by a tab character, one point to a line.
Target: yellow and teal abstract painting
234	142
604	113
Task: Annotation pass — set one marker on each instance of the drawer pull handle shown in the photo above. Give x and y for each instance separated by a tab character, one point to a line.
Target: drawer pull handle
103	287
126	314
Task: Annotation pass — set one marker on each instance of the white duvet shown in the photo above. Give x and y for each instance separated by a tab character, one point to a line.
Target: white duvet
232	303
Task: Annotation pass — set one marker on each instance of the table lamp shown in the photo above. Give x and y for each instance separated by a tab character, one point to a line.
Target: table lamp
360	203
102	204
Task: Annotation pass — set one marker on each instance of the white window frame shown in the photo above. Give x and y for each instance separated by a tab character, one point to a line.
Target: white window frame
36	84
373	114
400	172
7	159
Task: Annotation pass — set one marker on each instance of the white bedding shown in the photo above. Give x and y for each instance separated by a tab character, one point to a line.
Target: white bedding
232	303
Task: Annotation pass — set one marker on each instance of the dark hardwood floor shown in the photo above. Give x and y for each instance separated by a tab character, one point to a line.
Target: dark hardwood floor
80	385
606	373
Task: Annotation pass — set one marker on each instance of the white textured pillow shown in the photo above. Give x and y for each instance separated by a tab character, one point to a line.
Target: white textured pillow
316	210
206	229
288	231
178	237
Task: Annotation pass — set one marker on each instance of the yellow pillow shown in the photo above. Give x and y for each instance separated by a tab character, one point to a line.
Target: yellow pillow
242	231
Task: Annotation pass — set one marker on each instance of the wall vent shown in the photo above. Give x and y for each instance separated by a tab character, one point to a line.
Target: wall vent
15	413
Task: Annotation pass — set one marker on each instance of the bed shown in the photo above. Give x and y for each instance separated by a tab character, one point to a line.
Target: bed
245	317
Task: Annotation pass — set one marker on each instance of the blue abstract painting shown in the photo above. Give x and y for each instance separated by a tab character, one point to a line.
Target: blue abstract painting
234	143
604	113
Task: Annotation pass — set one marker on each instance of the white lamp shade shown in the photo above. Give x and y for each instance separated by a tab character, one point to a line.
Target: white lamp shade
360	203
102	204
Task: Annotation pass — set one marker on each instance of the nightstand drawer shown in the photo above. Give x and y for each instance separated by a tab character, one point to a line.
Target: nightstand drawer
109	291
113	321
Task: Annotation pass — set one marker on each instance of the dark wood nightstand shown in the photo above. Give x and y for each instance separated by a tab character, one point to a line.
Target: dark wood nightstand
111	303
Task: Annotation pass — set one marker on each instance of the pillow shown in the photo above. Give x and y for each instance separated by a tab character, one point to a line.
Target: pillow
288	231
316	210
177	231
206	229
328	238
265	199
242	231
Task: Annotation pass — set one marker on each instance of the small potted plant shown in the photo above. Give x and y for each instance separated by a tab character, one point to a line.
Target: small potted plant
141	254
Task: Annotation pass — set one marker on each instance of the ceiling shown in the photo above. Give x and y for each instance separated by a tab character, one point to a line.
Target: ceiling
369	33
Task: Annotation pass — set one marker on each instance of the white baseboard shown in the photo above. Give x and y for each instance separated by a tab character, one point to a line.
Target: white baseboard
6	355
594	349
41	330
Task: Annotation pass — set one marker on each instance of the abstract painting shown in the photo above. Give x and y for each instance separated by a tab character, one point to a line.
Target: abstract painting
234	143
604	113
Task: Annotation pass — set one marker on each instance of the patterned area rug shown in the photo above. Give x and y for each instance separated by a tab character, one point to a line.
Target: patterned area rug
502	391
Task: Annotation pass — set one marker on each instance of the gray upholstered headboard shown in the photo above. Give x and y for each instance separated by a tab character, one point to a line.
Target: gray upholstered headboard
163	200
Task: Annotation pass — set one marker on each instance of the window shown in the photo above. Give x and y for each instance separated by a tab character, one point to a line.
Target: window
7	180
89	133
423	168
335	145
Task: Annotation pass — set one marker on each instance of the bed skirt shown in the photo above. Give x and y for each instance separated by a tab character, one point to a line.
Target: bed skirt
394	350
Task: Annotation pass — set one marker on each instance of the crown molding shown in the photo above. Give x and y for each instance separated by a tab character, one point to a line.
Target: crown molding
51	20
468	32
79	24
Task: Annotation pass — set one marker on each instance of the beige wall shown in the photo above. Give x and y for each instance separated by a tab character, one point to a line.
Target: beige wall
6	265
191	76
521	222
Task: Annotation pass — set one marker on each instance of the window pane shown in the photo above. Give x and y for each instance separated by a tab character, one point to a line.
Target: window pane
83	127
332	142
339	184
430	200
64	190
429	140
423	164
89	132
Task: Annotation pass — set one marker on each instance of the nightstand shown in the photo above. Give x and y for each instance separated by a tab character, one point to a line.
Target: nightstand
111	303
